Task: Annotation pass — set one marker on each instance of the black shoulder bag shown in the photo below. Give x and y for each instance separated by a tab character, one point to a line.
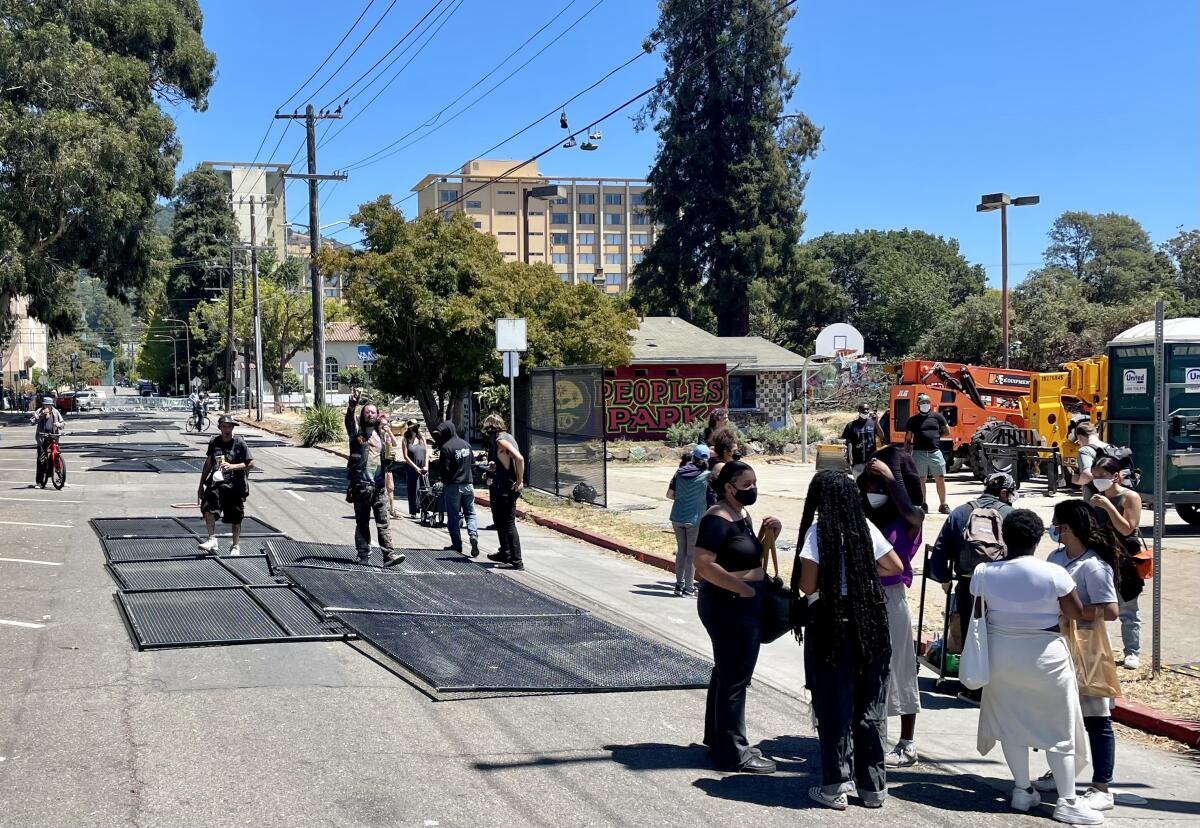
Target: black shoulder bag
781	611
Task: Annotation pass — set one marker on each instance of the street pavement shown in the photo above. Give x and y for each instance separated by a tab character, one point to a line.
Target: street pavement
93	733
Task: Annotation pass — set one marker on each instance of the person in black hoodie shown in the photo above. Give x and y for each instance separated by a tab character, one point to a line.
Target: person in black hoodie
456	482
365	470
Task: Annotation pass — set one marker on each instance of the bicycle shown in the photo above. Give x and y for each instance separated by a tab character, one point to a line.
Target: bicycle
56	467
197	425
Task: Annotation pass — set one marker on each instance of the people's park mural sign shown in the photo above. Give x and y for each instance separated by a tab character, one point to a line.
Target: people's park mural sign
642	402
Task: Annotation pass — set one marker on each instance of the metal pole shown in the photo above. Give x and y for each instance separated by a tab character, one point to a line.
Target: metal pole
804	410
1160	480
229	363
258	367
1004	279
314	247
525	221
512	396
554	397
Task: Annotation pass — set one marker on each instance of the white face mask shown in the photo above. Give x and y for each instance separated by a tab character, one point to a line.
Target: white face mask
876	499
862	415
923	408
1103	484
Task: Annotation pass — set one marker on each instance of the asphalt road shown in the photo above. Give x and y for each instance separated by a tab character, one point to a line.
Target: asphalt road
93	733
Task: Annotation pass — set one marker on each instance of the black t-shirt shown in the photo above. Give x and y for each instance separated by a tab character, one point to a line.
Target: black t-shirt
860	436
735	543
235	451
456	462
926	430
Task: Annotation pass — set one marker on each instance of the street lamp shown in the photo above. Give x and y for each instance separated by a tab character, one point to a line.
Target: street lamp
1001	202
544	193
187	341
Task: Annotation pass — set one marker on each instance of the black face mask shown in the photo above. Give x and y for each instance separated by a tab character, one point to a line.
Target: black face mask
746	497
737	455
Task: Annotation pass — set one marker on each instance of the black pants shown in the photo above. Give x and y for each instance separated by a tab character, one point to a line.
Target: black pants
40	475
504	515
849	700
964	601
364	506
733	625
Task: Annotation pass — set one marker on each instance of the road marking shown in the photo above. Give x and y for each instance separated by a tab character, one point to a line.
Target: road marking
44	525
24	560
40	500
29	468
293	494
22	624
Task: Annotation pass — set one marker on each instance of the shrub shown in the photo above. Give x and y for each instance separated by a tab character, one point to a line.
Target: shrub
774	439
352	376
289	383
684	434
322	424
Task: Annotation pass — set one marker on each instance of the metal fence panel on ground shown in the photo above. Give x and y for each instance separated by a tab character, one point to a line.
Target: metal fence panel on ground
560	426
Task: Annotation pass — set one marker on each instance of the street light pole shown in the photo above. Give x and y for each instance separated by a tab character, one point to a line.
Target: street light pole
1001	202
187	341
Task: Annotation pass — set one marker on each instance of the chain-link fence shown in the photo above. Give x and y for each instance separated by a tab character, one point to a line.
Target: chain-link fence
559	425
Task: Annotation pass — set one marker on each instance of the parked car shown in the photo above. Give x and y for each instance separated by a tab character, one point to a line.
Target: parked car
65	401
91	399
146	388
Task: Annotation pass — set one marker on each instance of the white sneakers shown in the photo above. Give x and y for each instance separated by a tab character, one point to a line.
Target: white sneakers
1077	812
1131	662
903	755
235	550
1023	800
1098	800
209	545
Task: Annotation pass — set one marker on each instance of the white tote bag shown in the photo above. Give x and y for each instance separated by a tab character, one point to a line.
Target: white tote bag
973	663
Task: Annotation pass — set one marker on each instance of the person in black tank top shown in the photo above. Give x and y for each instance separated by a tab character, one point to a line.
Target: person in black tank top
506	478
729	562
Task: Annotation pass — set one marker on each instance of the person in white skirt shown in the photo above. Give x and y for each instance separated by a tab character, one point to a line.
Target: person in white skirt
1031	699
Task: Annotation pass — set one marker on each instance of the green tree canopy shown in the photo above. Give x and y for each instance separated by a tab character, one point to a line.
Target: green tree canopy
727	185
427	293
1110	254
85	149
201	229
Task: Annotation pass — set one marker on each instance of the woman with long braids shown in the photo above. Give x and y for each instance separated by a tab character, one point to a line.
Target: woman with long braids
729	562
1091	553
847	649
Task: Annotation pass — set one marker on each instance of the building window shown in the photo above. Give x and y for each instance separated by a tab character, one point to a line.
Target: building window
507	233
478	225
536	233
742	391
639	238
612	238
587	218
474	205
506	192
536	253
566	277
331	375
637	198
587	258
587	238
562	200
612	258
560	218
560	238
637	258
449	195
509	253
641	218
536	213
507	212
612	198
614	278
587	198
446	216
561	258
614	218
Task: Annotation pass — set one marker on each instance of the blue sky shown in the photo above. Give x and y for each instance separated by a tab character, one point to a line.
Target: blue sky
1093	106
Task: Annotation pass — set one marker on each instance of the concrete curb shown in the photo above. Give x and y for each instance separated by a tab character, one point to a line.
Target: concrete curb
1126	712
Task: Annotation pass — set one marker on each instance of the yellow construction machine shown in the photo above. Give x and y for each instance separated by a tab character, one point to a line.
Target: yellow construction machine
1060	400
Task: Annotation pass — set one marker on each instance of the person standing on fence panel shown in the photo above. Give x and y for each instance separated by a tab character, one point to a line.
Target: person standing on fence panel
687	490
1031	699
729	562
1091	554
507	472
900	520
1121	508
224	485
457	485
847	645
415	456
366	490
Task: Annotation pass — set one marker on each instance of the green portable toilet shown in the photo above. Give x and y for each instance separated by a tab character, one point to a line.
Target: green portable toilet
1130	412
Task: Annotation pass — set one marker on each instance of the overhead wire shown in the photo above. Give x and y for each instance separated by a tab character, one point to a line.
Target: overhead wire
361	43
328	57
430	122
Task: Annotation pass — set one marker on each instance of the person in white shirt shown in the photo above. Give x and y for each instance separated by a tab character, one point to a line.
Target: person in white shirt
1090	446
1031	699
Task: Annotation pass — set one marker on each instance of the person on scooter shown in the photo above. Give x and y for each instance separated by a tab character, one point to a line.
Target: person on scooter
49	422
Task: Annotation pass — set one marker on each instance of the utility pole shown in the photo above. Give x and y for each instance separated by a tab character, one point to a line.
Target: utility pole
314	241
258	376
229	352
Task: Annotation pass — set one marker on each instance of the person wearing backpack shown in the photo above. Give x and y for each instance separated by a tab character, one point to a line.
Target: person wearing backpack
969	537
1091	448
1121	508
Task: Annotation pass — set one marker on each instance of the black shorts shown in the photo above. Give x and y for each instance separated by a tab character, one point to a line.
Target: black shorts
224	503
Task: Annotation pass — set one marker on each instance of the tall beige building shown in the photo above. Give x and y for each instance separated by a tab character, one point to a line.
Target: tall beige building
265	182
595	232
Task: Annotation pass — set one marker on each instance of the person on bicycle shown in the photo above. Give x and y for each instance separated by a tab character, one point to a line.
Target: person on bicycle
223	484
49	422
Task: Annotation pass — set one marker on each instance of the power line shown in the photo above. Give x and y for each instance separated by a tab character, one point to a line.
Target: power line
647	91
345	93
430	122
327	58
366	37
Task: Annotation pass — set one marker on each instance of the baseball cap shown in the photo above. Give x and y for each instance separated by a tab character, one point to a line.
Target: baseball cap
700	452
226	419
1000	482
410	423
